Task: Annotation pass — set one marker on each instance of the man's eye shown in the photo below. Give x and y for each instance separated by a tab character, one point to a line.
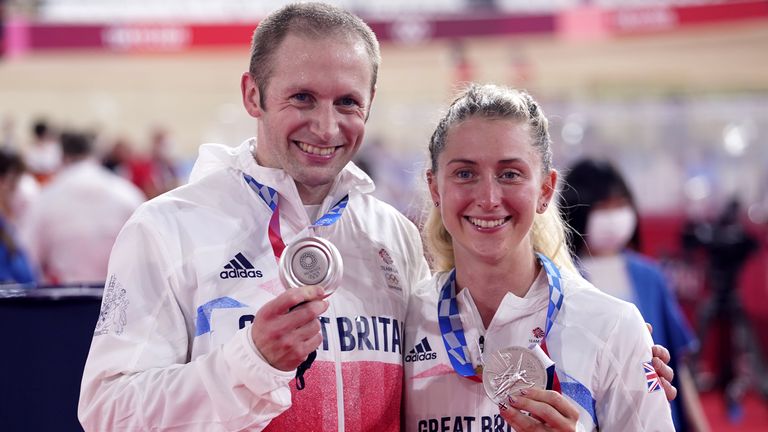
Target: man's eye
348	102
301	97
464	174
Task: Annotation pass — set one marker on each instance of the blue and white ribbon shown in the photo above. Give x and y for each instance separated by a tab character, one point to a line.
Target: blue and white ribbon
453	331
270	197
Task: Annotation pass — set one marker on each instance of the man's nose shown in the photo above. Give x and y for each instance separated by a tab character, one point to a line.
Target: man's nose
325	125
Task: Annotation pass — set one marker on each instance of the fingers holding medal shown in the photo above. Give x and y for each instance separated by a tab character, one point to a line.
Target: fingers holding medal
516	379
511	370
286	330
537	409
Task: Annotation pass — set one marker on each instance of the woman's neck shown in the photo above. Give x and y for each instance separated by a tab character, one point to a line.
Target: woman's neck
489	282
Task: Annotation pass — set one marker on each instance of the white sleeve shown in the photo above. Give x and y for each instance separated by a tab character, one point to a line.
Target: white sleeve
630	399
418	269
139	376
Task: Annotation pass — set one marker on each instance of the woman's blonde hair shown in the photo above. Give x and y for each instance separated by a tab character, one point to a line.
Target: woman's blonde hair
548	234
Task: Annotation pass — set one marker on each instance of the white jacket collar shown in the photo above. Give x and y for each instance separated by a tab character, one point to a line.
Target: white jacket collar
215	157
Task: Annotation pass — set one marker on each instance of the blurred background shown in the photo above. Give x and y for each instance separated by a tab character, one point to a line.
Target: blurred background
673	92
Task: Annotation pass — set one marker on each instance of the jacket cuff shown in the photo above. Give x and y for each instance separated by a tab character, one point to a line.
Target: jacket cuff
250	367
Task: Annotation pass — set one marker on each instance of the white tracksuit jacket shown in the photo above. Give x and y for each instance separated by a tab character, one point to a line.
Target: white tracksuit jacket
172	351
596	340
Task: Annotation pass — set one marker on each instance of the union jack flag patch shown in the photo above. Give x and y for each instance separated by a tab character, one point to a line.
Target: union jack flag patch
651	377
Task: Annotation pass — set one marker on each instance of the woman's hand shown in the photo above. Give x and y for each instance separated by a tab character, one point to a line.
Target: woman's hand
550	411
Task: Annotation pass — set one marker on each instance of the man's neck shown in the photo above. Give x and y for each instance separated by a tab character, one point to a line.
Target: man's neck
309	195
312	195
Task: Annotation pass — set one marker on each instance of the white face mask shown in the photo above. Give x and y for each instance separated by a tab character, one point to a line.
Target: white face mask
609	230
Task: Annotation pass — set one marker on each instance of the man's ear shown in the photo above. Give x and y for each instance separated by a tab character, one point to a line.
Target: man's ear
250	92
370	103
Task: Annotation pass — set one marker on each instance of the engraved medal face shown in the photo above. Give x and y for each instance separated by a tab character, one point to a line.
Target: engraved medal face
311	261
510	370
309	265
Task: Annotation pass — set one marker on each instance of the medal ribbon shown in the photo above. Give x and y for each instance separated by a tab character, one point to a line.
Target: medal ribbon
270	197
456	344
453	331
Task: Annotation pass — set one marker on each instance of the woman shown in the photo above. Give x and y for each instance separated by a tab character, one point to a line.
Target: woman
505	284
601	210
14	266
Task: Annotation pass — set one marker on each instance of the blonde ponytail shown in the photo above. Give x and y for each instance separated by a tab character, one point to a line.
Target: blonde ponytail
548	235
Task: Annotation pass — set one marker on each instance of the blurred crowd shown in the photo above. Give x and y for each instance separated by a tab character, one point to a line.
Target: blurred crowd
65	195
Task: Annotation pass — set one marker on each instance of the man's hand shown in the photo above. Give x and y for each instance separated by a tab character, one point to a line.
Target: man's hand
660	359
550	411
285	333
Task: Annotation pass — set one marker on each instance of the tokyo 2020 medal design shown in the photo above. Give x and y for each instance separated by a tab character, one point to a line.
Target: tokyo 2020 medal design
311	261
510	370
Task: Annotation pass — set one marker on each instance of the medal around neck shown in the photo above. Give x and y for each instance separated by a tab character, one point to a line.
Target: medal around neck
510	370
311	261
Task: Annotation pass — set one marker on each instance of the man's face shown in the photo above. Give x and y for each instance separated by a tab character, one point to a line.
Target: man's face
316	103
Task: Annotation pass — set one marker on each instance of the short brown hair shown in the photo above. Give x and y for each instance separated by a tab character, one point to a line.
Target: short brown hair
316	20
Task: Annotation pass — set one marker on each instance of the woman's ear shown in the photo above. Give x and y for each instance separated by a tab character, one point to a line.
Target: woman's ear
432	183
548	186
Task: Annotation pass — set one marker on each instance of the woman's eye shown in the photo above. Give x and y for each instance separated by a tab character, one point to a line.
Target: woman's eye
509	175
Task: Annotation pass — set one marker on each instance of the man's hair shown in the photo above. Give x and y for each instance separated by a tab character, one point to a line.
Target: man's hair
313	20
76	144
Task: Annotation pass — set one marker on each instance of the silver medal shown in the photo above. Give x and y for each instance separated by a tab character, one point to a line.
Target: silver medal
311	261
510	370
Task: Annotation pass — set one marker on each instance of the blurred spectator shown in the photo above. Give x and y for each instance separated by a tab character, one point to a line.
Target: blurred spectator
43	155
27	192
601	211
72	227
14	267
156	174
727	245
118	158
164	171
463	71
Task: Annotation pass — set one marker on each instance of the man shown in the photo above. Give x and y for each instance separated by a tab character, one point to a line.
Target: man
71	226
196	330
174	347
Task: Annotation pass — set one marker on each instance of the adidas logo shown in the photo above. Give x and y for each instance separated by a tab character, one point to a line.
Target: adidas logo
421	352
239	267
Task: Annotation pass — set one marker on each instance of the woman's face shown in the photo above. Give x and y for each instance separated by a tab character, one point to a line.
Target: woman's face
490	185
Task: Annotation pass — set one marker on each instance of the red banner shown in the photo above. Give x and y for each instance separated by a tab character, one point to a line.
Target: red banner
180	37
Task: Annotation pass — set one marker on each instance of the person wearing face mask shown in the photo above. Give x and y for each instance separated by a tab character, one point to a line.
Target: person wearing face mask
601	211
